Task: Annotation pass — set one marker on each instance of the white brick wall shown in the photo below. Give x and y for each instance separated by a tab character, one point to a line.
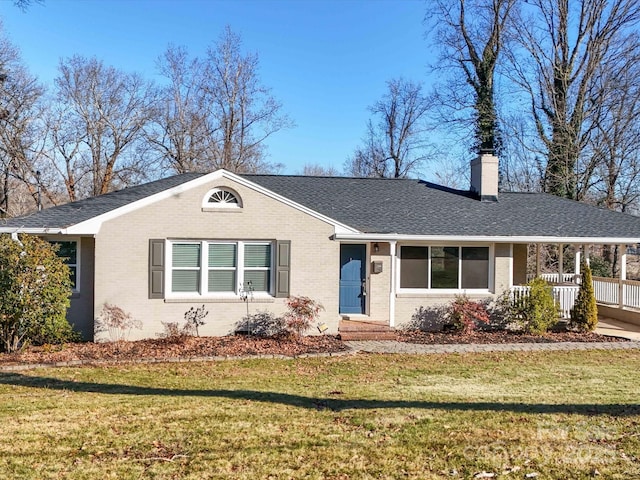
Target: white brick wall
121	276
121	266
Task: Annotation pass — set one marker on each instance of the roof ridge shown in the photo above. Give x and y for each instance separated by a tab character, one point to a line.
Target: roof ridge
336	177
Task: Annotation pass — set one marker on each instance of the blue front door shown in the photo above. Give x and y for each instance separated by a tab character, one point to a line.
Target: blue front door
352	278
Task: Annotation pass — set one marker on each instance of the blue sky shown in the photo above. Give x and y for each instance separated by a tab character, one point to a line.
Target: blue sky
325	60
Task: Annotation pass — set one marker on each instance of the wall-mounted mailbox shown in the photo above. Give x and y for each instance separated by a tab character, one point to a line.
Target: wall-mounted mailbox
376	267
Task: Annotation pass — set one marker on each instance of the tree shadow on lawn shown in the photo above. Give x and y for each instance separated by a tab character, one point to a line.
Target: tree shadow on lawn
317	403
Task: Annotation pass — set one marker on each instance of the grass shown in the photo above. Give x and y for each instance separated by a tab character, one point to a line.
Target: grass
558	415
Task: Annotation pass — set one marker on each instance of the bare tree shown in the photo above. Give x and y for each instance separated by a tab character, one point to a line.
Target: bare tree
615	143
25	4
471	35
21	137
396	142
99	116
214	112
311	170
564	47
522	164
183	132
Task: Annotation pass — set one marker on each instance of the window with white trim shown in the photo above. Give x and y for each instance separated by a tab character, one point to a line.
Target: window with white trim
444	267
221	197
68	251
210	267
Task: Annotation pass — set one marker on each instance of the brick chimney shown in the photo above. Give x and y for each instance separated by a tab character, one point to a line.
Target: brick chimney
484	177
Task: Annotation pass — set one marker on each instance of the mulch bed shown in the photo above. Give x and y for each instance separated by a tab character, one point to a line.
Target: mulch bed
171	348
240	345
501	336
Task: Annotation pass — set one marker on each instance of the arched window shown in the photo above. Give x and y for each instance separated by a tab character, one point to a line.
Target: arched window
221	197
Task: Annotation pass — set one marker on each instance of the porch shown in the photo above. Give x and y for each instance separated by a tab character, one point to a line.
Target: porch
612	295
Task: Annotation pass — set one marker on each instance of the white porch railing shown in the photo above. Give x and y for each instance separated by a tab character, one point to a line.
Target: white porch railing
608	291
553	277
565	295
613	291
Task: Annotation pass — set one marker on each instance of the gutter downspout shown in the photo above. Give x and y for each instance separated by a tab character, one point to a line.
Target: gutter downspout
14	237
392	290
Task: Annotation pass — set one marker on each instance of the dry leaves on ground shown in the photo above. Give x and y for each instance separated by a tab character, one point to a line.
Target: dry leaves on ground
179	347
186	347
500	336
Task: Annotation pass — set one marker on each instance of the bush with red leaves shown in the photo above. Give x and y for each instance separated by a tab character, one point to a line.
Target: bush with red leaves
467	314
301	312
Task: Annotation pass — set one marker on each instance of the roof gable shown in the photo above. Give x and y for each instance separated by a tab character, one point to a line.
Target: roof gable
85	217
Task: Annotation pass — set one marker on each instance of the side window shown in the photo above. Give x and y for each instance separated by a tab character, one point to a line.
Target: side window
68	251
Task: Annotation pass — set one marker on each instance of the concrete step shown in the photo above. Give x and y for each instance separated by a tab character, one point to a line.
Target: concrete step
366	326
365	330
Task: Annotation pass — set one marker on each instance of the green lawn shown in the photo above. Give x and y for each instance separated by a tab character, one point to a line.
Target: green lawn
560	415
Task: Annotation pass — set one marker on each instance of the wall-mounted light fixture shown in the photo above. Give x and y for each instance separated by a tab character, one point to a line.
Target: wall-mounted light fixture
376	247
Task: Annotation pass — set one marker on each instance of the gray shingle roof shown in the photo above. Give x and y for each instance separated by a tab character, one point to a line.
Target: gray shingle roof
402	206
415	207
73	213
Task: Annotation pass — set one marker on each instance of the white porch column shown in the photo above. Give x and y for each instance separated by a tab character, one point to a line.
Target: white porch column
392	290
585	249
578	255
622	255
560	263
537	260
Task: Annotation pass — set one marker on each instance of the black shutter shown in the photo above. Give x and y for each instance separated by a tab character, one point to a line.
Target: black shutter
156	268
283	264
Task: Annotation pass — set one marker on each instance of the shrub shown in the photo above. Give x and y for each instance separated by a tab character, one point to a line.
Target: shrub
194	318
173	331
600	267
584	315
501	316
261	324
34	293
467	314
116	322
301	312
537	312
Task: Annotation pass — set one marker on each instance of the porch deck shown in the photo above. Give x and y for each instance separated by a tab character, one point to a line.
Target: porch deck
615	328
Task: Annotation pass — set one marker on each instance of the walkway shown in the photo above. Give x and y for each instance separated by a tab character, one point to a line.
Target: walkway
606	326
616	328
387	346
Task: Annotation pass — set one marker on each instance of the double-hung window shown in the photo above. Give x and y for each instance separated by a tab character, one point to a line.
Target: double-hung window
211	267
444	267
186	261
222	267
68	251
257	266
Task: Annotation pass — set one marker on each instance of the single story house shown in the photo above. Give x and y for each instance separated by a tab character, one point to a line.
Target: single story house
365	248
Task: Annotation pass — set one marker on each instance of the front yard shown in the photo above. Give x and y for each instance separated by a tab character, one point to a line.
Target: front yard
519	415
